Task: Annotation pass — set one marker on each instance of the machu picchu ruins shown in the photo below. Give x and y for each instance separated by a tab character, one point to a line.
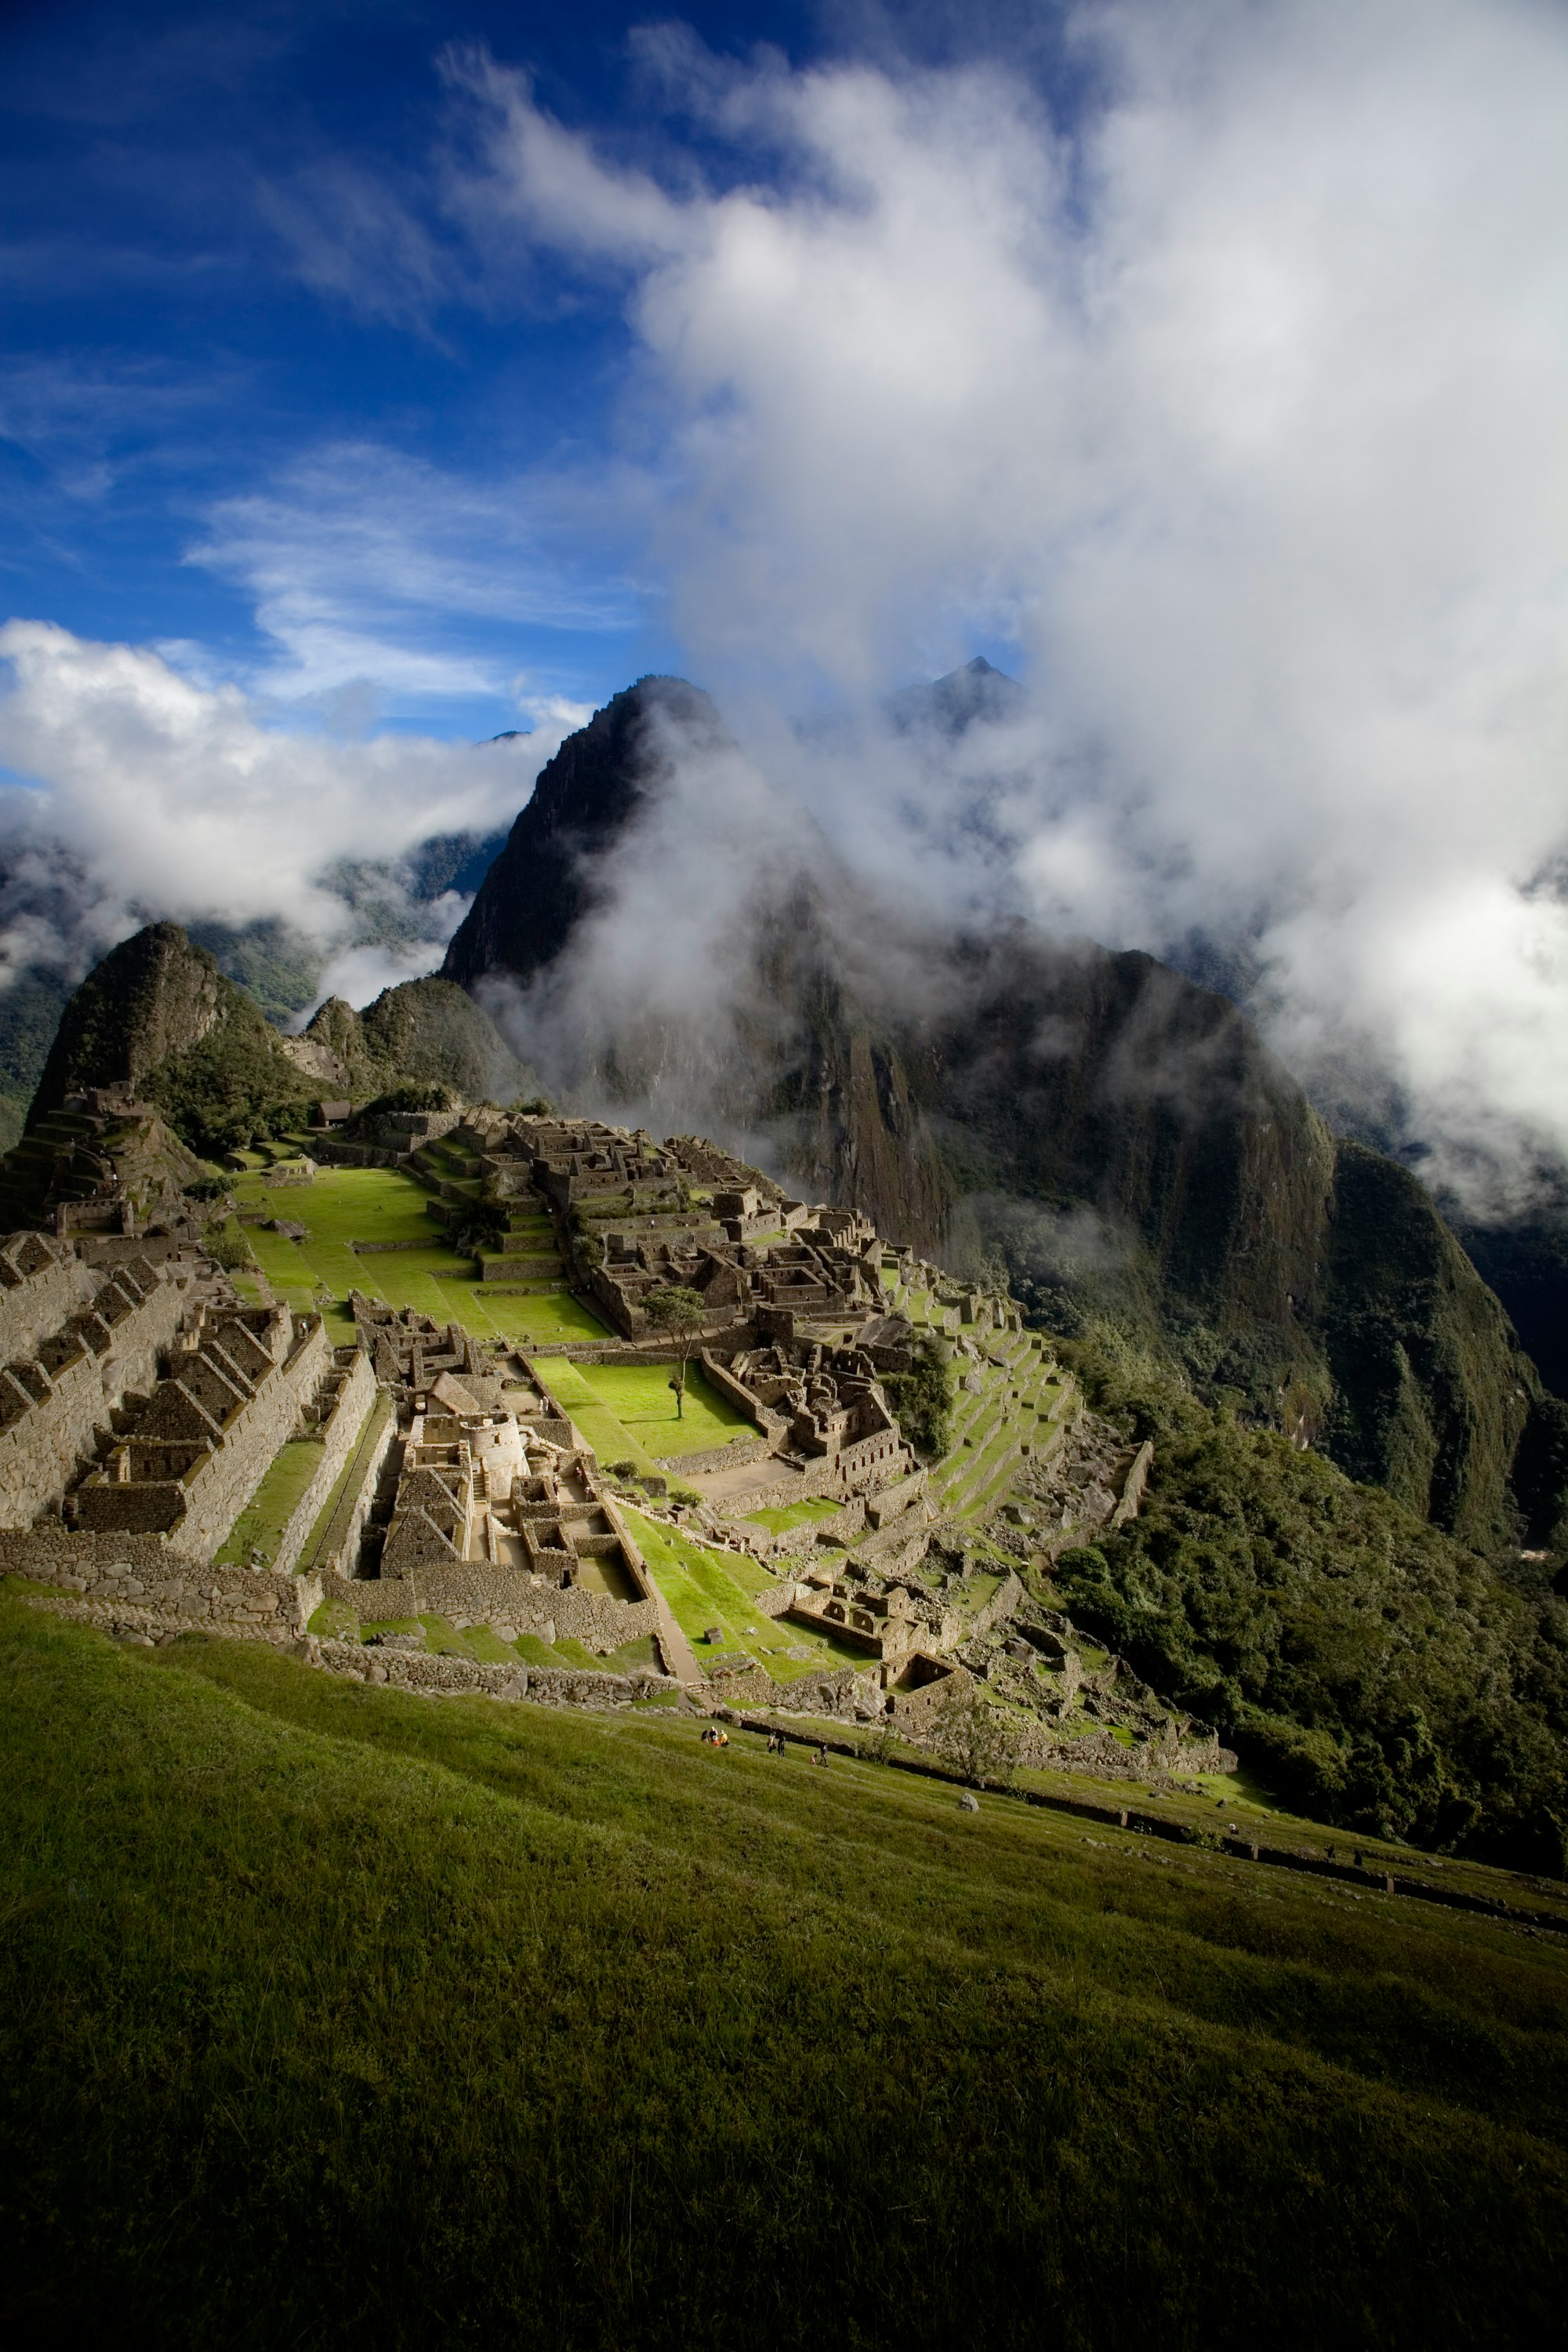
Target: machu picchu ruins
445	1505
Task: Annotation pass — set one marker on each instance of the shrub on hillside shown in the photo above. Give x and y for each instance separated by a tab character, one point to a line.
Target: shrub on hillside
236	1084
923	1400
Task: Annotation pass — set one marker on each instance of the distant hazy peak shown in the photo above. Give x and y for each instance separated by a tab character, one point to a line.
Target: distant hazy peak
979	691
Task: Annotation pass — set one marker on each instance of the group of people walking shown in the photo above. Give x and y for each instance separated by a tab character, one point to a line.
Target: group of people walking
715	1736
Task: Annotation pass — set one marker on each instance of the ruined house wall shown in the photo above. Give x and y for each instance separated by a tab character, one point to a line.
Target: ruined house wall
41	1299
219	1488
51	1434
338	1436
202	1506
741	1396
866	1464
919	1713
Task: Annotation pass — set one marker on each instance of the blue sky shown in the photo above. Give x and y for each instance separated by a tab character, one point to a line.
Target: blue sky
377	378
263	403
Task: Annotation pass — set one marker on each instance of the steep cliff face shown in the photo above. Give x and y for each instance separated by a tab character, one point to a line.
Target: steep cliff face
543	883
1119	1135
1433	1396
1076	1077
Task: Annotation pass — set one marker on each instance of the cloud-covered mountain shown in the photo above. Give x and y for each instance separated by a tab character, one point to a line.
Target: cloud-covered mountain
668	936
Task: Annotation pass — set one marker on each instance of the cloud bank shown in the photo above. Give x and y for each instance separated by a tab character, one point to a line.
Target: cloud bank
1236	405
171	799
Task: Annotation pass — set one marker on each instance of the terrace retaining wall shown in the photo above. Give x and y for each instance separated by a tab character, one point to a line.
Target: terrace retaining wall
338	1436
68	1407
485	1595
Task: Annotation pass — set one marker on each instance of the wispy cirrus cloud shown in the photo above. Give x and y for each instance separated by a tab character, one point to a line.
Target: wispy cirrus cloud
370	568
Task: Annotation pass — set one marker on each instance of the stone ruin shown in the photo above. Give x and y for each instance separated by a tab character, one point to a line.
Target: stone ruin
500	1514
80	1342
189	1459
148	1405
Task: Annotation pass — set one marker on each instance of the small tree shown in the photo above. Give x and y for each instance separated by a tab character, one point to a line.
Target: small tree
974	1736
680	1311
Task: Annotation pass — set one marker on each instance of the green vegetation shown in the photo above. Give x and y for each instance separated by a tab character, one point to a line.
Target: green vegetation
797	1515
259	1526
703	1587
1377	1673
332	2016
342	1205
679	1312
410	1097
640	1397
923	1399
330	1532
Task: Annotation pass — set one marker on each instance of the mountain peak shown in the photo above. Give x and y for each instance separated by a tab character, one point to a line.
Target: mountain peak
539	884
953	703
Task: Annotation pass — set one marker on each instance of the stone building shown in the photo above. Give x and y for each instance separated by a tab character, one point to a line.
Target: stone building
499	1514
195	1453
825	1408
78	1342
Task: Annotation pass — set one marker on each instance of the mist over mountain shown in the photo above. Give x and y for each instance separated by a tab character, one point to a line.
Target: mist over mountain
669	939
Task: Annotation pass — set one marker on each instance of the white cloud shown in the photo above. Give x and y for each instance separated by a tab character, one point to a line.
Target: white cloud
171	798
1239	409
370	567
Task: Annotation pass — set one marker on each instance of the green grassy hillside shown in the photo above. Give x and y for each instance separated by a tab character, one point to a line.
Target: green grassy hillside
334	2017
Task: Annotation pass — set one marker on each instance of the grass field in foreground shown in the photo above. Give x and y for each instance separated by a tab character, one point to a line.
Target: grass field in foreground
334	2017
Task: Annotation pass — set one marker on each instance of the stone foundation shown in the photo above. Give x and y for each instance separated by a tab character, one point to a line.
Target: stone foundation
483	1595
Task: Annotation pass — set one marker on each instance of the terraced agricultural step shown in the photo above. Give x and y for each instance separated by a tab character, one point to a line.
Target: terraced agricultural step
989	1495
958	1493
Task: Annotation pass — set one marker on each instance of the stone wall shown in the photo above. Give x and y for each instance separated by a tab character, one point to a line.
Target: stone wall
200	1505
918	1713
481	1594
716	1458
45	1552
56	1410
437	1677
338	1436
141	1586
339	1543
844	1695
1132	1486
219	1488
775	1424
42	1283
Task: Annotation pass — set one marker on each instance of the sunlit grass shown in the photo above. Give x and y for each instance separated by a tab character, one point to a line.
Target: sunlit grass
332	2015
